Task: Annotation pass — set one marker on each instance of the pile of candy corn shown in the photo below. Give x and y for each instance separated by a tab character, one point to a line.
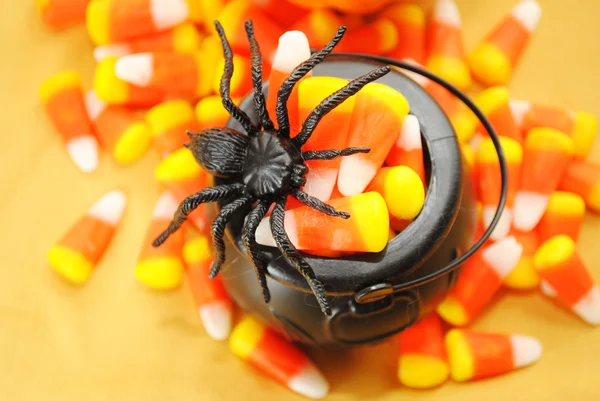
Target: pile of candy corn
157	59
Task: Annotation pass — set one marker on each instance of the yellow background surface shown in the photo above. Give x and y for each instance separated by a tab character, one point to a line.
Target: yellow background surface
114	340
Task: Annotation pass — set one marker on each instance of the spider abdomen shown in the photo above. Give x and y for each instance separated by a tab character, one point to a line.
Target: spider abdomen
220	151
270	166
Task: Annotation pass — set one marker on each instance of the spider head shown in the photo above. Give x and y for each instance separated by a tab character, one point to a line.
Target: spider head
220	151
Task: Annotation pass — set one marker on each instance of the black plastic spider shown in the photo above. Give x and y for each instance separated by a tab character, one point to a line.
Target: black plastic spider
267	165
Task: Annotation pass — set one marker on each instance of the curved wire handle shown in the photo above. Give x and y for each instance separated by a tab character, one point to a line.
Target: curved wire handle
498	147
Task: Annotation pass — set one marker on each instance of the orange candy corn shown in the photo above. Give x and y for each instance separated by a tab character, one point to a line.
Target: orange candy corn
113	21
233	17
402	190
62	96
283	12
77	253
579	125
564	215
184	38
169	122
61	14
490	183
331	132
480	278
408	148
358	7
422	355
320	25
277	358
119	130
493	61
409	20
377	37
446	56
292	50
476	355
524	275
547	153
210	112
173	73
182	176
161	268
494	103
564	273
113	90
583	178
214	305
377	119
365	231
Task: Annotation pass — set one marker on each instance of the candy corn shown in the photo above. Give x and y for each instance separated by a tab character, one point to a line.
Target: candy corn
161	268
476	355
169	122
377	119
182	74
182	176
546	155
214	305
422	355
494	103
446	56
564	215
524	275
62	96
113	21
402	190
277	358
331	132
493	61
409	20
365	231
183	38
490	183
319	26
480	278
292	50
583	178
61	14
119	130
408	148
382	34
560	267
209	11
241	81
283	12
579	125
210	112
111	89
78	252
358	7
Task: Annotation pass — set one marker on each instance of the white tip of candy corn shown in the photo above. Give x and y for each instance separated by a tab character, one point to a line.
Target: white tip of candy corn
216	318
135	68
446	11
292	50
93	105
264	235
167	13
165	207
503	255
310	383
547	289
320	183
114	50
518	109
83	150
109	208
588	307
410	136
528	209
528	13
526	350
503	226
355	174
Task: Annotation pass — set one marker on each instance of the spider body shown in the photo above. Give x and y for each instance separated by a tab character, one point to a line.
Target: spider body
264	165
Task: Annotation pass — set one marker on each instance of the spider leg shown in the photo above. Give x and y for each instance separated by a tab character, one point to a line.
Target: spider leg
190	203
332	154
231	108
317	204
283	121
334	100
289	251
249	238
218	231
259	98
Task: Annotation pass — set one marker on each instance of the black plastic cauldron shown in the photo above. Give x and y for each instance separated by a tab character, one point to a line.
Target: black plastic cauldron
372	295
